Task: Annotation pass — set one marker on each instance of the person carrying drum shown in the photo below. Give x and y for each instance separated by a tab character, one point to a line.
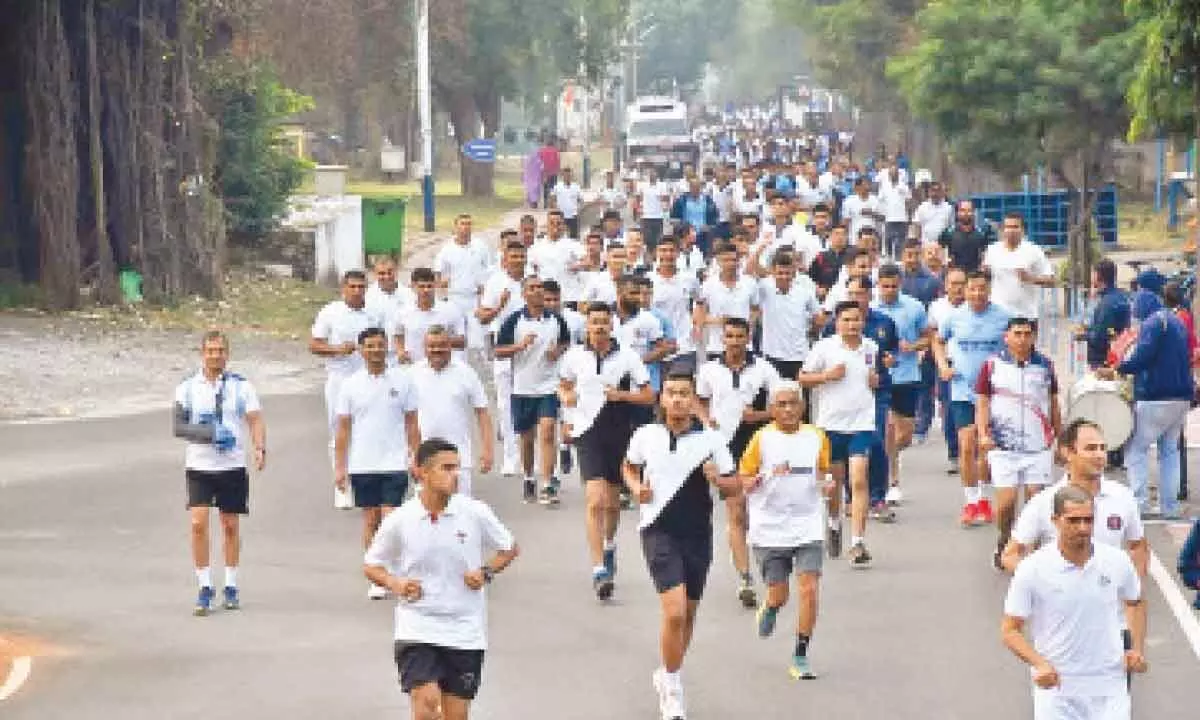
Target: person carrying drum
1111	316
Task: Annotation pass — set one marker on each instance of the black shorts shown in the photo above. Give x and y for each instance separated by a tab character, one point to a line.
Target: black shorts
678	560
602	448
372	490
226	490
527	410
456	672
904	399
787	369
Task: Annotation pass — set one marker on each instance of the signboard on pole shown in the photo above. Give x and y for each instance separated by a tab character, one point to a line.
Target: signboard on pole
480	150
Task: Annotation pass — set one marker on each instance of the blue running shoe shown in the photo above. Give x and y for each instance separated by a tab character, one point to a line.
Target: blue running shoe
800	669
203	602
766	620
232	602
610	560
603	584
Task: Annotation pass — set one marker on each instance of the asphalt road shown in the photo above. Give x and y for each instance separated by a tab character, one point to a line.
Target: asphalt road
94	569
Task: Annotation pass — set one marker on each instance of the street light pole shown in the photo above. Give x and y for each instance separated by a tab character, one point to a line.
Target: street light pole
587	106
425	100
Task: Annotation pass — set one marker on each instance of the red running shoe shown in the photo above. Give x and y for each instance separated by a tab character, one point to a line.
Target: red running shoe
970	511
983	513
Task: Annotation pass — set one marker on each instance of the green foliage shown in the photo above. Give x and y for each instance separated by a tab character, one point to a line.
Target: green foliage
255	171
1163	95
1012	83
760	55
687	33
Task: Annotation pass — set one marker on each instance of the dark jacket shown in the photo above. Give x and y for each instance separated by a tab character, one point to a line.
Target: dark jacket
1110	319
1189	558
1160	362
966	247
710	209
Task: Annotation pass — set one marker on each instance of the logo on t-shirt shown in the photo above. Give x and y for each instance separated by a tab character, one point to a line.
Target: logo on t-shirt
1114	522
1105	581
462	537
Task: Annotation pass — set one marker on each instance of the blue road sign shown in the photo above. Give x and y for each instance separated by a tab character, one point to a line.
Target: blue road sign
480	150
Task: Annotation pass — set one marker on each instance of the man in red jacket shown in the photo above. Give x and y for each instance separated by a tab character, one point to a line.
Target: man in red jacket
551	162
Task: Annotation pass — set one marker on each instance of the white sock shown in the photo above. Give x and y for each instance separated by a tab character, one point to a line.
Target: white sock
856	540
599	569
985	491
610	544
972	494
204	577
230	577
673	679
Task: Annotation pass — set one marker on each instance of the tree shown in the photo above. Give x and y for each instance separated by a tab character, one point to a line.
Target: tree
761	54
687	35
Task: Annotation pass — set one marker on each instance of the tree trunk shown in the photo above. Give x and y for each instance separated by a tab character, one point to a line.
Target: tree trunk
106	288
478	179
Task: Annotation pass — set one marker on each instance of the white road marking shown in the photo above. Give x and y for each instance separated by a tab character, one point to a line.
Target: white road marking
1180	607
22	667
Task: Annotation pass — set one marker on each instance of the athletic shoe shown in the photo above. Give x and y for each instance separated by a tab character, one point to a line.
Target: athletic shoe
860	559
881	512
610	560
800	669
564	460
660	688
342	499
530	492
549	494
998	560
377	592
602	583
626	499
203	602
952	468
673	708
232	601
746	592
894	495
765	618
983	512
969	512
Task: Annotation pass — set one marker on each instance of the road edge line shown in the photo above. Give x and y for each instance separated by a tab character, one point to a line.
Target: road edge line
1180	607
22	668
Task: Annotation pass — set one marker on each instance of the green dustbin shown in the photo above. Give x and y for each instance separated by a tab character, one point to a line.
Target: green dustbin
383	225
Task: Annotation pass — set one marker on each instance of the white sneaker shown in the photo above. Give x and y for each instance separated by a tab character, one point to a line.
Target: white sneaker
377	592
894	495
660	689
509	468
673	708
343	499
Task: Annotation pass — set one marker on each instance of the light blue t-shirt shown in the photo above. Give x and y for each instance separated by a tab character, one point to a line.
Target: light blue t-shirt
977	336
909	316
694	211
655	369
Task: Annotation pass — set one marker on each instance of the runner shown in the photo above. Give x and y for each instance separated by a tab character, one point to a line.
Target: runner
601	287
600	383
213	409
408	329
790	314
783	471
727	295
668	467
435	545
939	310
335	337
449	393
977	331
461	266
1071	594
370	453
502	298
847	368
732	389
1017	417
388	299
559	258
534	339
567	195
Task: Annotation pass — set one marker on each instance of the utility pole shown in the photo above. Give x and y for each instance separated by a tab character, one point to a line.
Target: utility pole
587	105
424	91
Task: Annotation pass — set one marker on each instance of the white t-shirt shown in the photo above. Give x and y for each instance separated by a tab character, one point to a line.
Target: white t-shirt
805	245
566	198
1118	520
439	554
376	406
723	199
576	324
591	375
787	318
666	465
933	218
673	298
553	260
785	508
1072	615
1018	298
853	209
893	199
729	394
388	305
198	397
939	310
463	267
600	288
533	373
414	323
493	289
720	300
446	404
614	198
338	323
655	195
846	405
637	332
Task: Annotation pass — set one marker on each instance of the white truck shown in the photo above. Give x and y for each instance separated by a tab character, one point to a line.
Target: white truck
659	134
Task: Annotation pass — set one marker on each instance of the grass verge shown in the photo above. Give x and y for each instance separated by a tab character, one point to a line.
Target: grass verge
1141	228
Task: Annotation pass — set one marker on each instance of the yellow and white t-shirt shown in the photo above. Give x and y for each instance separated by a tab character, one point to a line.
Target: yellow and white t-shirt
785	507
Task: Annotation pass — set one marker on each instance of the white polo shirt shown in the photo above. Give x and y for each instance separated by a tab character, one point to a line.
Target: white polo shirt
414	323
493	289
533	373
1008	291
387	305
1118	520
667	466
723	301
591	373
637	332
654	196
600	288
1072	614
729	392
673	298
439	553
933	218
804	244
566	197
376	406
894	199
553	259
787	317
446	403
853	209
785	508
338	323
846	405
199	397
576	324
463	267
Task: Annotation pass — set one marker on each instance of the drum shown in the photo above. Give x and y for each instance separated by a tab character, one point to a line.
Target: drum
1104	403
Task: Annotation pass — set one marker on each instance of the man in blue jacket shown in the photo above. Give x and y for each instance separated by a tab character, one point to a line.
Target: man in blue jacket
1189	562
698	210
1162	393
1111	316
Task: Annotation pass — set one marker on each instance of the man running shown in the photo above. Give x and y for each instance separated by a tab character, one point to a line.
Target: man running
668	467
939	311
430	554
846	368
600	384
461	266
724	296
534	339
213	408
1017	417
370	453
502	298
783	471
970	335
408	329
335	337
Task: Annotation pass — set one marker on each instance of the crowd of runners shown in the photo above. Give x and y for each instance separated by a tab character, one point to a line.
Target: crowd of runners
777	330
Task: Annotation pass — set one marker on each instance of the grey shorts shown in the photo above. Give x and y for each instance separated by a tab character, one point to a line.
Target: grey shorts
778	563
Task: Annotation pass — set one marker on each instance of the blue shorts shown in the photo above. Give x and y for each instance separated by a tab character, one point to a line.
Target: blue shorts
528	409
382	489
843	446
962	414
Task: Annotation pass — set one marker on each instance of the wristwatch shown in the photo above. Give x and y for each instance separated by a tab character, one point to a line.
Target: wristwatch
488	574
